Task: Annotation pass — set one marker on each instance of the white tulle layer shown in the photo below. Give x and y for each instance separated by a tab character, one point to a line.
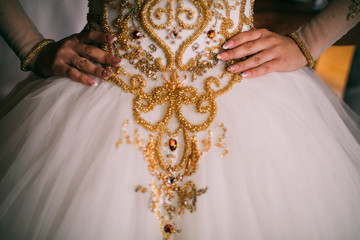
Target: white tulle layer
292	172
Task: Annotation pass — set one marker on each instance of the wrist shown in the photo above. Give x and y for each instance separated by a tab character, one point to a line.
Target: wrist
28	43
32	54
303	48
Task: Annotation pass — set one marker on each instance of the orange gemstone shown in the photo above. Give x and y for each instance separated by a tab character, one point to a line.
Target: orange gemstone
172	144
168	228
211	33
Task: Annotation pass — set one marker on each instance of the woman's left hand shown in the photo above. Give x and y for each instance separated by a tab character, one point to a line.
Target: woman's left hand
268	51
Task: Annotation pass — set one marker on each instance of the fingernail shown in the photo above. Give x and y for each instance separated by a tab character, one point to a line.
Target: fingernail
90	82
95	84
246	74
228	44
116	61
111	38
222	56
232	68
105	74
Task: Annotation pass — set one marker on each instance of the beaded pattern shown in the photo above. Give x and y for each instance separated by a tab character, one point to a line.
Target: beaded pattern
172	188
164	44
355	9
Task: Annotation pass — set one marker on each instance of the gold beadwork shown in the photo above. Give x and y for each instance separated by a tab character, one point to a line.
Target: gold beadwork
207	24
34	51
140	15
304	50
171	195
355	9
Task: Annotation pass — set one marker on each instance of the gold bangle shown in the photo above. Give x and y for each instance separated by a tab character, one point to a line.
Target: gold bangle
34	51
304	50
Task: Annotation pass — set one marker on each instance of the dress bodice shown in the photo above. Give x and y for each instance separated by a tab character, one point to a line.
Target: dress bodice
158	36
168	51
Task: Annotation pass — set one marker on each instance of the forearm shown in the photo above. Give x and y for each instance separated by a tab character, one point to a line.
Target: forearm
16	28
328	26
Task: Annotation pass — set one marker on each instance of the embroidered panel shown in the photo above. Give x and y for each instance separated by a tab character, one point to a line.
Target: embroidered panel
168	51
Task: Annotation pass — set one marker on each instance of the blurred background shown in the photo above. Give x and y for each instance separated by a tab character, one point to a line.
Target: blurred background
339	66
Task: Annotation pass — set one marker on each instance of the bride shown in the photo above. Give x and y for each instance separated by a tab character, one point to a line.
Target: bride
177	120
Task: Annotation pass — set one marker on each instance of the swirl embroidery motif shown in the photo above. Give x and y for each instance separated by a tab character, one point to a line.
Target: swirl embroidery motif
171	193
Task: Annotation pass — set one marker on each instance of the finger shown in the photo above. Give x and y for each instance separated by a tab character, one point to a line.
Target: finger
245	49
75	75
252	62
97	55
261	70
96	37
244	37
87	66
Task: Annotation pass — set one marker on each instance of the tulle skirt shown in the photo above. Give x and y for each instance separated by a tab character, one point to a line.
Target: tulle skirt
292	170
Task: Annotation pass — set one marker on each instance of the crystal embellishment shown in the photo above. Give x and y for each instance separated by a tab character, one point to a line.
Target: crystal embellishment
172	144
168	228
171	180
174	34
211	34
136	34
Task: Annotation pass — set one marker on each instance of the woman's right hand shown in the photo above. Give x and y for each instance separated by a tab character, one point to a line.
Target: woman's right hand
74	57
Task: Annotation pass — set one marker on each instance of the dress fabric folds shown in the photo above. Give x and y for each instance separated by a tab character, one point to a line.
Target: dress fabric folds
283	160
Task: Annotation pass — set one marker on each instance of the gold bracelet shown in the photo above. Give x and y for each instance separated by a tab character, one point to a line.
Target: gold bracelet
304	50
34	51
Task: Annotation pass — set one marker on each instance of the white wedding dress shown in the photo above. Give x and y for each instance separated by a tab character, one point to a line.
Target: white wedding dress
173	146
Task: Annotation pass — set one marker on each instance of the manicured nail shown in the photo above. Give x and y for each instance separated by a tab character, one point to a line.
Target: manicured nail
246	74
95	84
228	44
222	56
111	38
105	73
90	82
232	68
116	61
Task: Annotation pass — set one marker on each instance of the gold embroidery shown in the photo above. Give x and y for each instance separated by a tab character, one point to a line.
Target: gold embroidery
355	9
204	18
170	194
212	22
175	94
145	20
243	20
139	14
168	11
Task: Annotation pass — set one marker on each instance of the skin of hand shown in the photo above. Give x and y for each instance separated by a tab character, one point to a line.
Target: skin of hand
74	57
266	51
